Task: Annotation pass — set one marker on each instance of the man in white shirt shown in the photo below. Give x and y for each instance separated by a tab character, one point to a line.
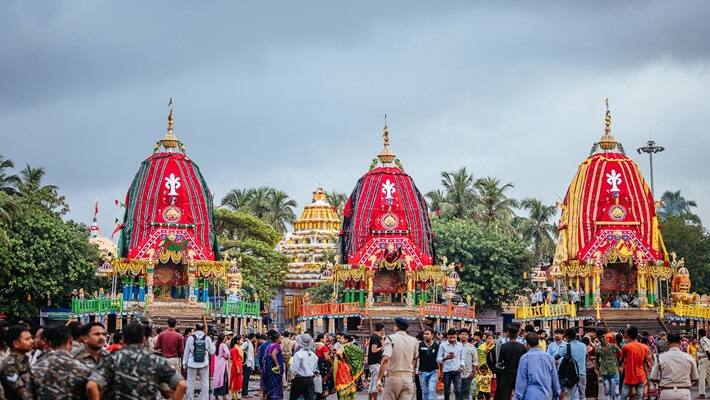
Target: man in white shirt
470	359
304	364
452	363
195	358
248	350
703	362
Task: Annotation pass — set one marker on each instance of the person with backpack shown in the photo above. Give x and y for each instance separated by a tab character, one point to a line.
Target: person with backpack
572	371
198	349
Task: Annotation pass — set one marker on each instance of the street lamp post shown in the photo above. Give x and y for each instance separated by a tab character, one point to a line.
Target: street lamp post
651	148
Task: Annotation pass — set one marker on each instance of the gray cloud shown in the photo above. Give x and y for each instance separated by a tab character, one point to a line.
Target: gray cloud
293	96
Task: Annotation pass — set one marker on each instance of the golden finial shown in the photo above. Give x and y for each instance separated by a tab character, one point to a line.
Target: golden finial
319	195
386	156
607	141
607	118
169	141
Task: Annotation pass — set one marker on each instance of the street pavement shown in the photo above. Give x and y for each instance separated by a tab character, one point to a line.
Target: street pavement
362	395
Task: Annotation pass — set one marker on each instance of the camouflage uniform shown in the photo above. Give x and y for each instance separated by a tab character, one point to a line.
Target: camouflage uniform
134	373
76	347
15	376
57	375
85	357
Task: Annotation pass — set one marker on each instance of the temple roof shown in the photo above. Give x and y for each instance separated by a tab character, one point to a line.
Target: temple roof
608	213
169	210
315	234
319	215
386	222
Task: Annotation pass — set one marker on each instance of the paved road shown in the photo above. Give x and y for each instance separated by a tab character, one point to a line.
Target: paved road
254	392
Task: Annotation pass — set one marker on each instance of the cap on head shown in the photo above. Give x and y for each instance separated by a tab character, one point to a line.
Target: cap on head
401	323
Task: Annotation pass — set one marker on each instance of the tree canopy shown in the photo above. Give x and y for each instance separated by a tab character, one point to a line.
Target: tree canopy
252	242
271	205
44	258
492	262
684	234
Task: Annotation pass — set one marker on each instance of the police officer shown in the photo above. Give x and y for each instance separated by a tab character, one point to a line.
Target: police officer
93	335
57	374
134	372
675	371
399	359
15	369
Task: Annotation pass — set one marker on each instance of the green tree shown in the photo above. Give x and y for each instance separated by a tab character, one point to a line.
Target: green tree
280	212
47	196
45	260
259	201
437	202
321	293
237	199
493	262
674	204
494	205
460	192
6	206
8	181
252	242
337	200
537	228
684	235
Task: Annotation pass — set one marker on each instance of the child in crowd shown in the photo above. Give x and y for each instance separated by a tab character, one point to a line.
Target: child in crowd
483	379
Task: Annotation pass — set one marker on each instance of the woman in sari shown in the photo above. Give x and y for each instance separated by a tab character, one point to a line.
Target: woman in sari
273	369
220	380
235	371
325	365
347	368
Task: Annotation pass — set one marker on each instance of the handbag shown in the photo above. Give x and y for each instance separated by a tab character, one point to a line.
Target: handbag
318	384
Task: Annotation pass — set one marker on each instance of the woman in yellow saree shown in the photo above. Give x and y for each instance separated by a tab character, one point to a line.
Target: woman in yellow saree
347	368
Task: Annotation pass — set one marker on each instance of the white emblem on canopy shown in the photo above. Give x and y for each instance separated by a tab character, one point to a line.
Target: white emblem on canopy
388	188
614	179
173	183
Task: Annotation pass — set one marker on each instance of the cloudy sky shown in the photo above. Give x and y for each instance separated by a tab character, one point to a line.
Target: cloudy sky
292	94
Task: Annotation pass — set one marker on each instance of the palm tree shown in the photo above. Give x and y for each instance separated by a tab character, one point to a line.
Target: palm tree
8	182
31	181
494	205
673	204
437	201
280	212
537	228
237	199
258	205
460	191
337	200
6	205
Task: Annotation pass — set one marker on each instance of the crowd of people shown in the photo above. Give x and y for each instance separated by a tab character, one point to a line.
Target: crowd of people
68	361
549	295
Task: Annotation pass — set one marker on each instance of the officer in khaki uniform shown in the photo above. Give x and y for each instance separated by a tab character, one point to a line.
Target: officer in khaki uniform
703	362
675	371
399	361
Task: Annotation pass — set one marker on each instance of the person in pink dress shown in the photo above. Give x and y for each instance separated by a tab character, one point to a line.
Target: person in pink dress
220	381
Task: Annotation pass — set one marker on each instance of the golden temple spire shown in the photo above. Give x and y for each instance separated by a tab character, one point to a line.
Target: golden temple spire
607	142
319	195
386	156
169	141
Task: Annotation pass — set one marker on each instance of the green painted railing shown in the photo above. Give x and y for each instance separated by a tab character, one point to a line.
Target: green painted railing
96	306
240	308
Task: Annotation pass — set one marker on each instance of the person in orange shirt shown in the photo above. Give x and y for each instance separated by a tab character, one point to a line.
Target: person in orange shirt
636	362
693	348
